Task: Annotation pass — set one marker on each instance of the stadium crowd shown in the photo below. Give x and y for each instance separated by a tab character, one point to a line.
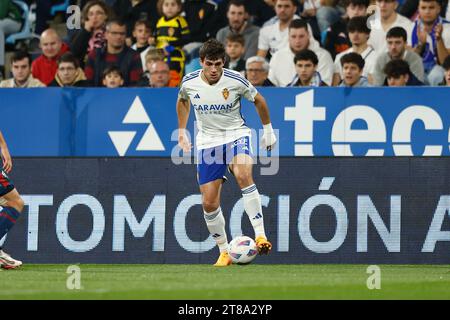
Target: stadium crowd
154	43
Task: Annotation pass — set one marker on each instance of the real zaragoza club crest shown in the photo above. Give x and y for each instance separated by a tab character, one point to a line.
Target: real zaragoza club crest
225	93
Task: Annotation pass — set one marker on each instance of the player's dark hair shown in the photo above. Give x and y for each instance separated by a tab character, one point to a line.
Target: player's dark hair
446	64
306	55
298	24
396	68
236	37
353	57
69	57
20	55
358	24
112	69
396	32
212	50
357	3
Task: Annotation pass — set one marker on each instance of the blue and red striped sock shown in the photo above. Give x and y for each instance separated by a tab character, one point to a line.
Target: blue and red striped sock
8	218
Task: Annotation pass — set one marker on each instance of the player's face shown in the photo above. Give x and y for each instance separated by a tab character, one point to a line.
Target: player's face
352	73
256	73
396	47
212	69
285	10
298	39
355	11
429	11
387	7
236	16
67	72
21	70
305	70
398	82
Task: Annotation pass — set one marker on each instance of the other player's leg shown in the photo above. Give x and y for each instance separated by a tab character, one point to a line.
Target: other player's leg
10	209
241	168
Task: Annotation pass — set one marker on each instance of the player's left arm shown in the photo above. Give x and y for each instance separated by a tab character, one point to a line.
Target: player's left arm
269	139
6	157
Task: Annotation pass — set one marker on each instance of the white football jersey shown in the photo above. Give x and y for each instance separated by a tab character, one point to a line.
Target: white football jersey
217	107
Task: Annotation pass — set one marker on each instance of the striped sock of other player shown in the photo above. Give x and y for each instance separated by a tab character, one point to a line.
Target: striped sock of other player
253	208
8	217
216	226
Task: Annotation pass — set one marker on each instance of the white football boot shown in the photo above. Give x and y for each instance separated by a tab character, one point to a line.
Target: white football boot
6	262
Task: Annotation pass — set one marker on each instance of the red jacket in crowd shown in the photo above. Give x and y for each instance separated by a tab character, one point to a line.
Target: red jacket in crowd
44	68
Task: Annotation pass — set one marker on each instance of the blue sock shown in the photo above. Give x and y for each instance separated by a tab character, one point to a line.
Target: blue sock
8	217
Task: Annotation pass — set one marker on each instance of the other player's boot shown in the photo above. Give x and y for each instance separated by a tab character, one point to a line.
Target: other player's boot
263	245
6	262
224	260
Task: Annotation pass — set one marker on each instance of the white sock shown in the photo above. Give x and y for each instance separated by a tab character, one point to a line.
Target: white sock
253	208
216	226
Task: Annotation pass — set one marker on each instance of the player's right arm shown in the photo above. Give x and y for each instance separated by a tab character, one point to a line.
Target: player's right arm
183	109
6	157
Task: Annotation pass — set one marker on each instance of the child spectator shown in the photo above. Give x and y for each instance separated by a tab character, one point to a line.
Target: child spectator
172	33
112	77
21	70
352	69
69	73
235	49
143	34
306	62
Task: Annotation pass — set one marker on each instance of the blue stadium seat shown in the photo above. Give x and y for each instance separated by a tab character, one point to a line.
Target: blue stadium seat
323	36
26	32
60	7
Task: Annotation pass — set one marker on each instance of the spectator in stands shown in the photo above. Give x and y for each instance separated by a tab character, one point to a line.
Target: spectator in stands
10	22
201	16
352	69
69	73
112	77
44	67
306	67
397	73
91	36
359	34
282	67
235	48
328	13
238	23
446	66
172	33
130	11
431	40
274	36
257	71
142	33
409	8
386	18
115	53
260	11
159	74
21	70
336	37
396	42
309	13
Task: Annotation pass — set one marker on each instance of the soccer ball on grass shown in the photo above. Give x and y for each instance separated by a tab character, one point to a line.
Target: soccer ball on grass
242	250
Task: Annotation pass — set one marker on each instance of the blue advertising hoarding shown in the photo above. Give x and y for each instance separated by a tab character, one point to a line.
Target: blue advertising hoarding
311	122
316	210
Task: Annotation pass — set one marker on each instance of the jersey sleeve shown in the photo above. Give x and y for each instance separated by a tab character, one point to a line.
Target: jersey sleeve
182	93
248	91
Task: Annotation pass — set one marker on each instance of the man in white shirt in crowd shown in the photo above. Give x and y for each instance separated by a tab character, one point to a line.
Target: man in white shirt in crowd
21	70
282	67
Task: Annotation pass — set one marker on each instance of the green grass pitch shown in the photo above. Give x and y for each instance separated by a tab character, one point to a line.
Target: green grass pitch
271	282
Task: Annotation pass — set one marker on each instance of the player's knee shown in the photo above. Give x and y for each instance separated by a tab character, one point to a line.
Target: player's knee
17	204
210	206
244	179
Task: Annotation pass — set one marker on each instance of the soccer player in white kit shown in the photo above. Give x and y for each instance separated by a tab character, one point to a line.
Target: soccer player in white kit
223	140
